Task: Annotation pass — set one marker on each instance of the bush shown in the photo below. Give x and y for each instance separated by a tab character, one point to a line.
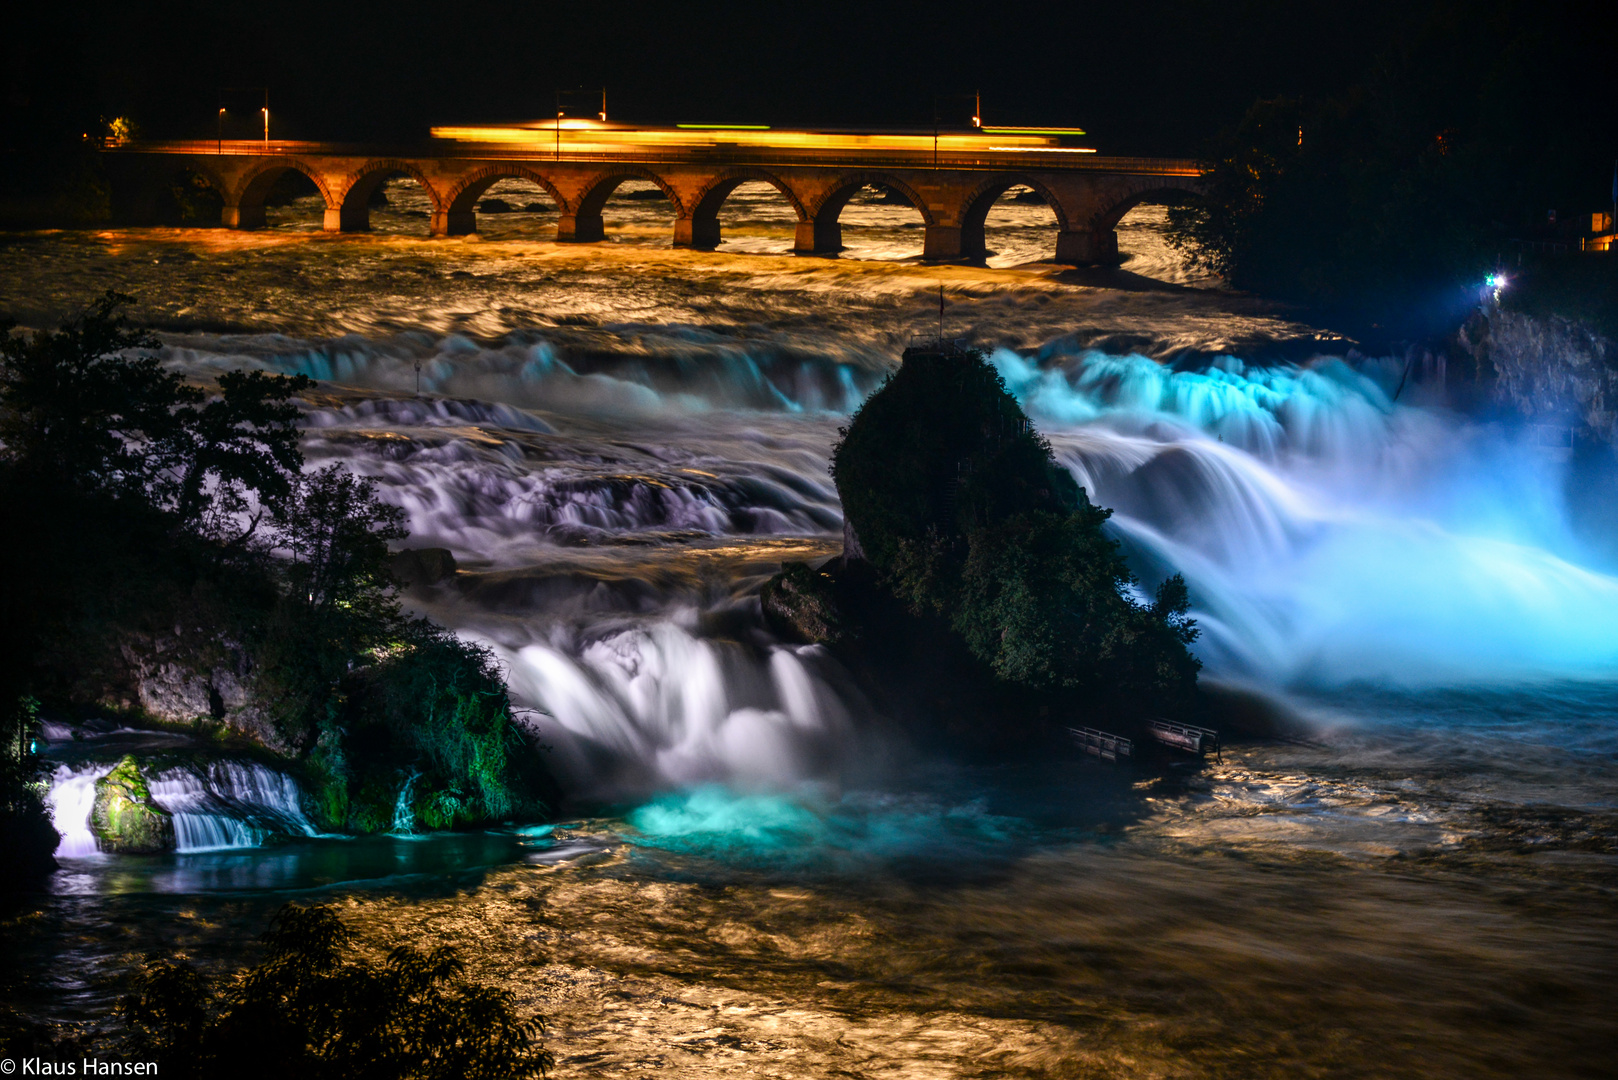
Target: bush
429	728
315	1009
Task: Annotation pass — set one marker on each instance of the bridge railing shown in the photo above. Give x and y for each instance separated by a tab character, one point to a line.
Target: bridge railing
1017	160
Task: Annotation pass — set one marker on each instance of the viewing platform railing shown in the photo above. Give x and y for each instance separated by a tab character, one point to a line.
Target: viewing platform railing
1102	744
1197	740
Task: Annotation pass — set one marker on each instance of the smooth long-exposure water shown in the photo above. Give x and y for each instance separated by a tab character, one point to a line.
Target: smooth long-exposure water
619	443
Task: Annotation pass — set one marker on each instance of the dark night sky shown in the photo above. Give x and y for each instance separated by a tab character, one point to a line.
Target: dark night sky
1146	76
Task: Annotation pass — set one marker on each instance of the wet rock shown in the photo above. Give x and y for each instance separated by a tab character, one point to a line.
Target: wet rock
179	682
494	206
1552	371
417	567
801	603
124	819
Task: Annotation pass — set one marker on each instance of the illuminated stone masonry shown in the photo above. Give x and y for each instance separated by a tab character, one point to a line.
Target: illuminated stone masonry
951	179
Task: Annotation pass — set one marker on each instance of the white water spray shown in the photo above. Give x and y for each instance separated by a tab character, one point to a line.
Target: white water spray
223	805
229	804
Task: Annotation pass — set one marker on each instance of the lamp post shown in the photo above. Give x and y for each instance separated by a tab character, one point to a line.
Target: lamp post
264	111
560	112
977	115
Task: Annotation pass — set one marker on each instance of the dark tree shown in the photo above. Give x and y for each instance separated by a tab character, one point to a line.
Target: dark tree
88	407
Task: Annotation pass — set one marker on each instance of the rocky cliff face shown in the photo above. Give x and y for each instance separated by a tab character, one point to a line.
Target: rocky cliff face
178	683
1549	370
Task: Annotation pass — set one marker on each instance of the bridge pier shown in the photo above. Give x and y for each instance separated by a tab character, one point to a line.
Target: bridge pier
818	238
943	243
242	217
453	223
1088	247
691	232
580	229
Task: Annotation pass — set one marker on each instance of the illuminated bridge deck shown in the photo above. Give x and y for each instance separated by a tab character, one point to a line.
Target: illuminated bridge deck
952	179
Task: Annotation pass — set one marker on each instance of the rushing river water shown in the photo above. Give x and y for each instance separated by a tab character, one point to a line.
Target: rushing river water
620	443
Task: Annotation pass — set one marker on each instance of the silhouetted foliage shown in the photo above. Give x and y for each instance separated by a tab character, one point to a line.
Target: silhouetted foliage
27	837
88	408
1408	187
158	509
317	1008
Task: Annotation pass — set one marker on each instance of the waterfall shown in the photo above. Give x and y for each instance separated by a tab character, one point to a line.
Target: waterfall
228	804
220	805
1326	534
656	705
404	818
614	512
71	798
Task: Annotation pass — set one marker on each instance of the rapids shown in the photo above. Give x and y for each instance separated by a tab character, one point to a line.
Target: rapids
620	444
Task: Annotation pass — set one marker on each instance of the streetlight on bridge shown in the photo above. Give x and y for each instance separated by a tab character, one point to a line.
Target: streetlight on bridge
977	114
219	138
560	112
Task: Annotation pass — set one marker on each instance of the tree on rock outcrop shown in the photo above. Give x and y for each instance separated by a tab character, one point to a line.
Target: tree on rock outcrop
960	507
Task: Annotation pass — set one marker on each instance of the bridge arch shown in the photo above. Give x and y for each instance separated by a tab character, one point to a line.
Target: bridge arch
822	234
974	212
1112	214
583	224
354	201
247	201
703	225
460	202
1095	240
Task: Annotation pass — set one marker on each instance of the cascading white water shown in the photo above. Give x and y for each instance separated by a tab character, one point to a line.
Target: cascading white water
71	798
224	804
228	804
404	818
656	705
1327	533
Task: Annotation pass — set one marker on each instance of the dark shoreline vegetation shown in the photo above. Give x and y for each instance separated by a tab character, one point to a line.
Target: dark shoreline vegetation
1478	144
317	1007
178	569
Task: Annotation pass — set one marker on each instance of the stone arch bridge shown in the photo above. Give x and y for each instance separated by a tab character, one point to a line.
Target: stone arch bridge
1088	193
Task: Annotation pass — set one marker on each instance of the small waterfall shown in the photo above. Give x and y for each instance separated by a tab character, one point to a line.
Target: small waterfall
229	804
225	804
72	797
404	818
642	708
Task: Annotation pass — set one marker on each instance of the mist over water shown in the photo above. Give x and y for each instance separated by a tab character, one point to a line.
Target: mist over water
620	446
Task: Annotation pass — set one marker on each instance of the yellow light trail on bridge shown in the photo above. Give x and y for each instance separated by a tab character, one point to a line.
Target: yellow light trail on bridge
593	136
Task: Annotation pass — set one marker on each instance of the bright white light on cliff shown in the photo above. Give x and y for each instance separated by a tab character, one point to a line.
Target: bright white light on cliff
1495	284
